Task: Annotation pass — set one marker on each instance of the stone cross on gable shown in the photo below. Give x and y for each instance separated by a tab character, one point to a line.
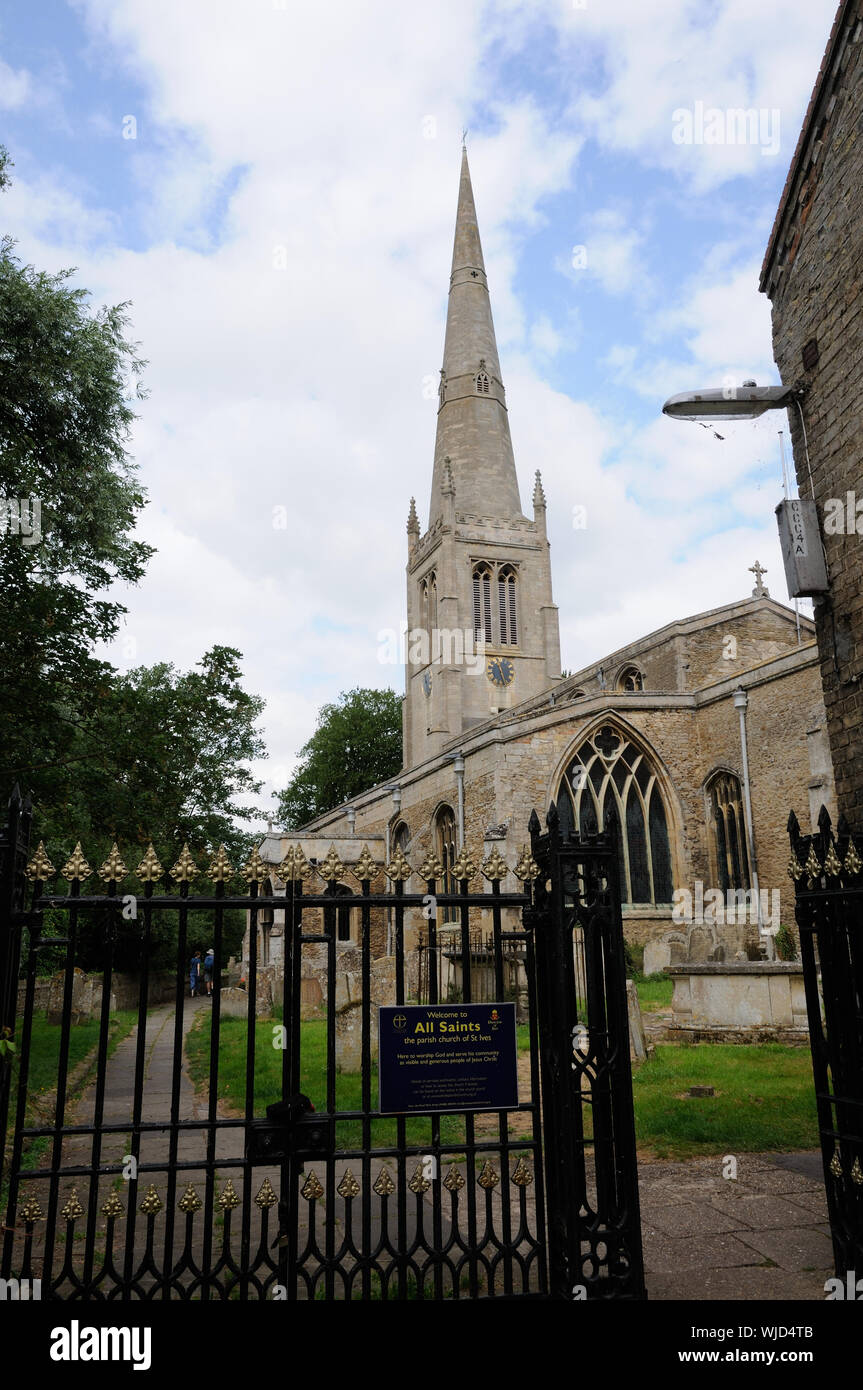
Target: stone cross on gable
760	590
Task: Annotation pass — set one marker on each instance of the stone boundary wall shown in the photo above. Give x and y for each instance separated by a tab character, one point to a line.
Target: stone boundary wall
87	993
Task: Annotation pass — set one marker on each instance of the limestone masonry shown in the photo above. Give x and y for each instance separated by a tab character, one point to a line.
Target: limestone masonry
646	740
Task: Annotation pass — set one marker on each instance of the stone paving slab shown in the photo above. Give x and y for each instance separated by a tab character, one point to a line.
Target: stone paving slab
752	1284
685	1219
810	1201
807	1248
666	1255
762	1213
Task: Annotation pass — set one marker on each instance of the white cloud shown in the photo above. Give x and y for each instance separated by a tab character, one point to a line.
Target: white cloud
658	58
15	86
296	186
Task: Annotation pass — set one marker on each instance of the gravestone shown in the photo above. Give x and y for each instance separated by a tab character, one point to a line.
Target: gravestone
657	955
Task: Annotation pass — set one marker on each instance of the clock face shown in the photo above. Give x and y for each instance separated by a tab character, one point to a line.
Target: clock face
427	682
500	671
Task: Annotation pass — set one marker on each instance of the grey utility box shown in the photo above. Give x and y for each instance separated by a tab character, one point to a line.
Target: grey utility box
802	550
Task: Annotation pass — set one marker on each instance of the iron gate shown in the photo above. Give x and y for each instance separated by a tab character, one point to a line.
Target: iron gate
827	870
309	1193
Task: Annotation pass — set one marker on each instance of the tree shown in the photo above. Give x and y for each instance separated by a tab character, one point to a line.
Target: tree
358	743
165	760
69	497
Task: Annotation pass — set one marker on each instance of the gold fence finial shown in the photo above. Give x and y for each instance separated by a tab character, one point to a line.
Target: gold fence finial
149	870
221	867
40	867
185	868
113	870
76	866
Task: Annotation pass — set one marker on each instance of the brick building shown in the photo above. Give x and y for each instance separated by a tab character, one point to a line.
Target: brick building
649	735
812	273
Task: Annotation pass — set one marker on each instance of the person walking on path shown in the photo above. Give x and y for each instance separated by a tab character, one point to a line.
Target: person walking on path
209	965
194	972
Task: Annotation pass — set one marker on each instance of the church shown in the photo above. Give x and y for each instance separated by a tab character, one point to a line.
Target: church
673	737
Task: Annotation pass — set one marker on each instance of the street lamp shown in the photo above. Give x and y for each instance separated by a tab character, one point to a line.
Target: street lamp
744	402
797	517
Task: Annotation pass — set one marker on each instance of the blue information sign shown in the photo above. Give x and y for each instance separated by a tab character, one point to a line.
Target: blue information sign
439	1057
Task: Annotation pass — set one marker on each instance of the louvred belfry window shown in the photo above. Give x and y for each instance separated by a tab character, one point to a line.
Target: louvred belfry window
428	603
506	607
482	383
482	604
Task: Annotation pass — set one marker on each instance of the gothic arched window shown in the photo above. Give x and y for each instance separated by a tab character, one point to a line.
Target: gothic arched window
630	680
447	852
729	831
428	602
612	782
482	603
482	383
506	606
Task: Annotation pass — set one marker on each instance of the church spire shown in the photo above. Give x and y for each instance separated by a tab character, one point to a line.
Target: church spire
472	427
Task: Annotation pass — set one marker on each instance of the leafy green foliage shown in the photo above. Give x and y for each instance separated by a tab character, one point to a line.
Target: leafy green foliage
786	946
154	754
67	379
166	760
358	743
162	757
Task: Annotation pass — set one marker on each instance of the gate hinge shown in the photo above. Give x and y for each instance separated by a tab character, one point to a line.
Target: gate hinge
291	1128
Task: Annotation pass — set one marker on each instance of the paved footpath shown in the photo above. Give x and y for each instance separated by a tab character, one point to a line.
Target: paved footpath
763	1236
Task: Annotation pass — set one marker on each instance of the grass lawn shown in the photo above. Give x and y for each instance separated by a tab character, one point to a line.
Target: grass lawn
654	991
83	1038
43	1068
764	1096
764	1099
313	1056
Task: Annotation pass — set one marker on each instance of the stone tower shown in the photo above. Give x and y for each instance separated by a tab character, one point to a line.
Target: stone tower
482	624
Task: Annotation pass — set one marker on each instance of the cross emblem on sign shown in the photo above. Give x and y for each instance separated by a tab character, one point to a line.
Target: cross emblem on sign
607	743
400	1021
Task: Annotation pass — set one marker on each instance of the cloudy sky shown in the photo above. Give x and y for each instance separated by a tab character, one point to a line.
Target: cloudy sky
273	186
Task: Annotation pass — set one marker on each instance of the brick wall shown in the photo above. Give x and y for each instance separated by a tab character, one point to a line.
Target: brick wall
813	275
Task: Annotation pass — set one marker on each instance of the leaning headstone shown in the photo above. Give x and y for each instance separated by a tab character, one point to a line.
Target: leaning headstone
637	1040
700	945
657	955
235	1002
82	997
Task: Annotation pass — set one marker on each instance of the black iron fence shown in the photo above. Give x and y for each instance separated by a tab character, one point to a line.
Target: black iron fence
147	1180
827	870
